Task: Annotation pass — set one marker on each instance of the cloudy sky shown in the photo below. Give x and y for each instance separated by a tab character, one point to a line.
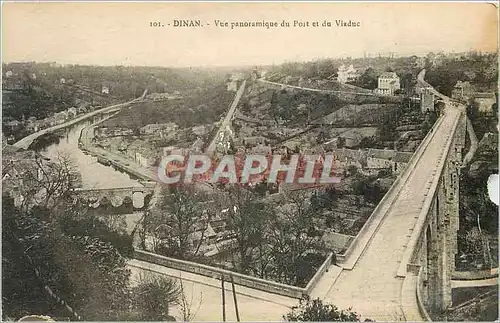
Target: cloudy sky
120	33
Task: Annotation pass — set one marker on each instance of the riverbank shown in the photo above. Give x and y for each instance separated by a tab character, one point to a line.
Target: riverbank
28	140
118	161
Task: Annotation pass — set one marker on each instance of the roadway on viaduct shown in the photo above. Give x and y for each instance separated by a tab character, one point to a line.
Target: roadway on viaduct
373	282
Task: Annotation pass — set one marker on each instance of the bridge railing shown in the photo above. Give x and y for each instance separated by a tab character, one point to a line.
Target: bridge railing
239	279
412	250
420	297
319	273
412	293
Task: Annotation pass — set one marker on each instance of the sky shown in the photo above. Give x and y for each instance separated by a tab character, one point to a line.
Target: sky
120	33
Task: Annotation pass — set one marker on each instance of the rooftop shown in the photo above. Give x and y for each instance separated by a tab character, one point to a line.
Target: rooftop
388	75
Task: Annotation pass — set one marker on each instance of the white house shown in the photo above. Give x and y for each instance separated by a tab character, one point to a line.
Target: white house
347	74
105	89
485	101
72	112
388	83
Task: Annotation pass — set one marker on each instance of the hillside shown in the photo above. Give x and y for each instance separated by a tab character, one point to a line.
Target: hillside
201	107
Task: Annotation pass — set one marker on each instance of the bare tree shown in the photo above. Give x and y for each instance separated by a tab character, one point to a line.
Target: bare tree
187	305
182	213
294	234
247	218
50	182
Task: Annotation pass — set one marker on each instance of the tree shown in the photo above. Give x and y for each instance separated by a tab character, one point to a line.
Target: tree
153	295
185	305
340	142
293	236
48	184
352	170
247	218
183	213
88	274
386	130
473	111
316	311
324	135
68	266
430	119
368	79
324	199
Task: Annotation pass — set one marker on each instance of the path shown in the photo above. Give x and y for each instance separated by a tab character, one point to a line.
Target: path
319	90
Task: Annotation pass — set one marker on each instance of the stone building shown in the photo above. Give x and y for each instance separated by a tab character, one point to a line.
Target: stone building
388	83
347	74
105	132
485	101
462	91
371	160
426	100
160	129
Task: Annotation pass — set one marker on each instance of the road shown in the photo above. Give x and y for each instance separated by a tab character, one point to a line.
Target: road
474	283
229	116
318	90
206	297
371	287
26	141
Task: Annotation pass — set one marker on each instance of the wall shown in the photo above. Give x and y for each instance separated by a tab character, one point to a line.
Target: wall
239	279
433	244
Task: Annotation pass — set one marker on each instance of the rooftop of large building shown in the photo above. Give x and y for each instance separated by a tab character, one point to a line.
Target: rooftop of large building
388	75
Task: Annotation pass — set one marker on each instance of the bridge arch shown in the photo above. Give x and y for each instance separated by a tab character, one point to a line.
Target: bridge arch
138	199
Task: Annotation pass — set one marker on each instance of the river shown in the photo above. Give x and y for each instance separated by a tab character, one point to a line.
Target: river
94	175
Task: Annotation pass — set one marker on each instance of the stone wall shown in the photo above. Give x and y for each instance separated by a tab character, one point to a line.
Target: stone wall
239	279
436	236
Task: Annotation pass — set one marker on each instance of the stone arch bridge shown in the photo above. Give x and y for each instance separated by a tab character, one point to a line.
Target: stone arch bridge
116	196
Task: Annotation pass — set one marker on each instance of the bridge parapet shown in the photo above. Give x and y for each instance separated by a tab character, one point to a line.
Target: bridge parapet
430	252
239	279
351	255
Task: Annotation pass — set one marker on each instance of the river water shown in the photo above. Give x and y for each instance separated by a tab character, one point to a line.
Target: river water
94	175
